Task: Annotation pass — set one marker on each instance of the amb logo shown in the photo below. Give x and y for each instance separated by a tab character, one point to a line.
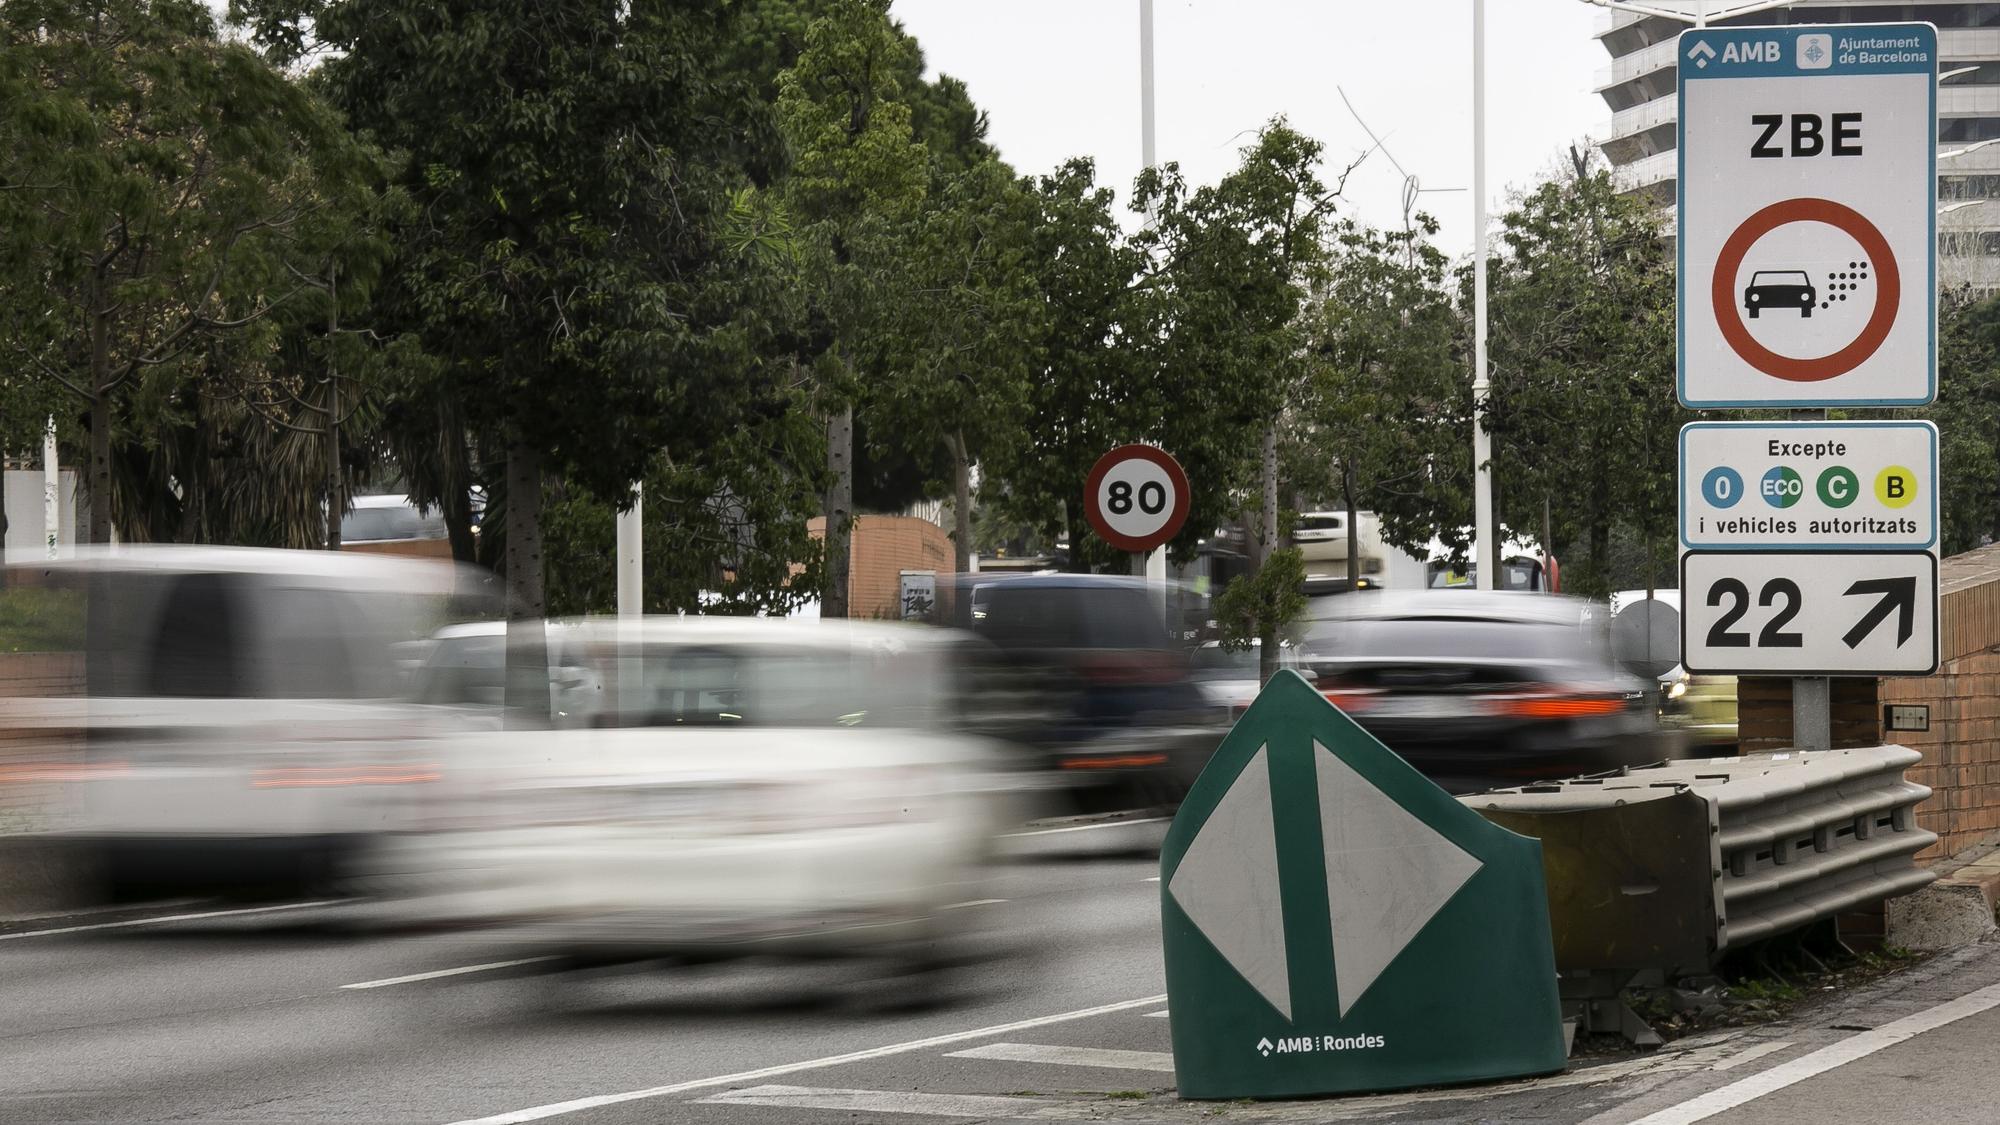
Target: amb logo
1296	1043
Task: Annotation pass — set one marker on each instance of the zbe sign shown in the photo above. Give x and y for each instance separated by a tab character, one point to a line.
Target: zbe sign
1806	220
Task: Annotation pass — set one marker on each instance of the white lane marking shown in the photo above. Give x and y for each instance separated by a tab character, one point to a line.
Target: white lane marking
1159	1015
989	1106
1070	1056
1750	1055
974	902
460	971
168	918
536	1113
1832	1056
1150	879
1084	827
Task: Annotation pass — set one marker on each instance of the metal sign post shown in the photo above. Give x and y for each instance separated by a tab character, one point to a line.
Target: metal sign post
1807	250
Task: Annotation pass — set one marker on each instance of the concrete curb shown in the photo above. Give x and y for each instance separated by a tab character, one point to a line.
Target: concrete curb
1956	909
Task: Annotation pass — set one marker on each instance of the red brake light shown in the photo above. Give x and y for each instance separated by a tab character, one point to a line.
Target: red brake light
1351	700
1556	705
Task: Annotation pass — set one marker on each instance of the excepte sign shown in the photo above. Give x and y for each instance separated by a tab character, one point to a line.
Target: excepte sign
1809	485
1807	215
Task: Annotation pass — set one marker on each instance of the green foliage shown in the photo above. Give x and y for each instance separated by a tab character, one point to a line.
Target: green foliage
961	340
728	523
1081	399
1967	413
1583	410
165	187
1383	412
569	165
1220	328
1259	605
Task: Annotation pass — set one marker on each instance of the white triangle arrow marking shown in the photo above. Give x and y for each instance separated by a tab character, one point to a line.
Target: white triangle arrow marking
1227	883
1387	874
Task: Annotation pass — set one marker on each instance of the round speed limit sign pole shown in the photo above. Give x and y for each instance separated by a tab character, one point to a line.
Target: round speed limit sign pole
1136	498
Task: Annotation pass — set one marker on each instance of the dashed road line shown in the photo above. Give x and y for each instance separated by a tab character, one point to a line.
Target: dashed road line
576	1105
1104	1057
435	974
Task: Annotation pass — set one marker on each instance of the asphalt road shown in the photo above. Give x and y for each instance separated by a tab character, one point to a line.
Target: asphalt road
285	1016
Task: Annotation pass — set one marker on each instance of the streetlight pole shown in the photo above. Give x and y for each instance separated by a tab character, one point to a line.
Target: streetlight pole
1151	565
1482	441
1146	82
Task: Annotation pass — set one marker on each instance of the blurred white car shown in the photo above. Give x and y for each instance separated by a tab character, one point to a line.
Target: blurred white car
714	787
239	728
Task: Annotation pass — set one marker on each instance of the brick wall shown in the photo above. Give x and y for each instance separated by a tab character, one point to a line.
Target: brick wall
885	547
28	792
1962	749
1764	713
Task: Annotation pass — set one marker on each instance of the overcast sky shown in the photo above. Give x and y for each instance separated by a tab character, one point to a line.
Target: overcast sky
1060	78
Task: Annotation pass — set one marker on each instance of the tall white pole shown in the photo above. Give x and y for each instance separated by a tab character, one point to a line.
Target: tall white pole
51	489
1153	565
1146	82
631	557
1482	442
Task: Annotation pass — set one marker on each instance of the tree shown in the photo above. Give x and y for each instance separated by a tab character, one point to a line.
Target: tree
1382	419
1224	328
164	177
1083	395
856	175
572	164
1582	410
1967	413
965	334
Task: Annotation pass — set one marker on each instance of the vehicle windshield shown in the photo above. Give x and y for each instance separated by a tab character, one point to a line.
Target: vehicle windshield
1779	277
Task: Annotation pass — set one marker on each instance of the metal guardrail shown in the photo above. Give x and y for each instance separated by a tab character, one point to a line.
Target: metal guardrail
1793	838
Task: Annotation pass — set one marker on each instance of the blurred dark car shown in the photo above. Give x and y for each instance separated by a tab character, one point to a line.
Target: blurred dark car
1479	690
1128	726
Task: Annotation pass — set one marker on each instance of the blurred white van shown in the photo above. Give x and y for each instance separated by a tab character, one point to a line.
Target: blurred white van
240	726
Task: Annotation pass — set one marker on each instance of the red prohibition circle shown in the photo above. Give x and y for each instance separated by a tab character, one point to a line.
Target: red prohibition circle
1176	515
1888	292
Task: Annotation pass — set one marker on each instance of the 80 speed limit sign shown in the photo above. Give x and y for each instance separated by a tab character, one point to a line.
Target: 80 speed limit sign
1136	497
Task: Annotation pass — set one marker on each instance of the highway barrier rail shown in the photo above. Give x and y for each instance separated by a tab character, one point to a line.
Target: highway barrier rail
1669	867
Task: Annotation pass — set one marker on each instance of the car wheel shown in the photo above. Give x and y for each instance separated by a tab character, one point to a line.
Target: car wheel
1753	312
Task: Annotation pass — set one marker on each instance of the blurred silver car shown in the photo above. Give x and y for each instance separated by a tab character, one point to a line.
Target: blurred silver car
716	787
1482	689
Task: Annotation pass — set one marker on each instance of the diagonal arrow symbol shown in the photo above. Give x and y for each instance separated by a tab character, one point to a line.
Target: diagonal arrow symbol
1897	594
